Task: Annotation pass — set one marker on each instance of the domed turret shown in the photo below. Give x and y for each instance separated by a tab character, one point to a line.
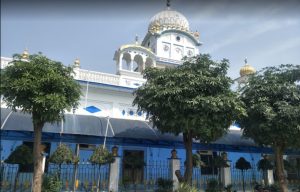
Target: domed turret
77	63
168	19
247	69
25	54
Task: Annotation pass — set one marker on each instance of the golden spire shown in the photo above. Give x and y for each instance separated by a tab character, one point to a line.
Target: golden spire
77	62
25	54
247	69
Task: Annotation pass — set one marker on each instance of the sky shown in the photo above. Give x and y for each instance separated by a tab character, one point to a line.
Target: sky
267	32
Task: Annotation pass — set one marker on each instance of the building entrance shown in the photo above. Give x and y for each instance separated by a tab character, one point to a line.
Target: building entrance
133	166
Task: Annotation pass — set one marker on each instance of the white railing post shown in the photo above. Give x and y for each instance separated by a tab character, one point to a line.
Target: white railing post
226	171
174	166
114	171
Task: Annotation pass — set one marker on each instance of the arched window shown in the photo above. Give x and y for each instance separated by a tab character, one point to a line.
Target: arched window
126	61
137	63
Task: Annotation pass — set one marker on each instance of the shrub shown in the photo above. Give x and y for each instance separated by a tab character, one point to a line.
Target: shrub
212	186
164	185
51	183
183	187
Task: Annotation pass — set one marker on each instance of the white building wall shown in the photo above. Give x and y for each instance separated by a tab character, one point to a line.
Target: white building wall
175	46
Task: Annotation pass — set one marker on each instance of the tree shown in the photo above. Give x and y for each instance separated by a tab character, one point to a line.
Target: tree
193	99
62	154
101	156
264	165
272	99
22	156
242	164
45	89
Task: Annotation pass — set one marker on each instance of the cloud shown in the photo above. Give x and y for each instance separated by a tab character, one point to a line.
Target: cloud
249	31
286	45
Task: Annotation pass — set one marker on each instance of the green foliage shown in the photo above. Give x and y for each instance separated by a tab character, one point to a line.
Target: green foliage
183	187
40	86
219	162
51	183
273	188
62	154
212	186
22	155
272	98
264	164
242	164
164	185
197	161
192	98
228	188
101	156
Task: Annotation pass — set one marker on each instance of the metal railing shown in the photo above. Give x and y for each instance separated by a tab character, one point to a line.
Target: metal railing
86	177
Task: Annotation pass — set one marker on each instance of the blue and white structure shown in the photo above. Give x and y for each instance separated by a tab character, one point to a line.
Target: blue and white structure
106	115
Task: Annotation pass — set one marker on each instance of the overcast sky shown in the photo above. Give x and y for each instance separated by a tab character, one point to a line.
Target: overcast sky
267	32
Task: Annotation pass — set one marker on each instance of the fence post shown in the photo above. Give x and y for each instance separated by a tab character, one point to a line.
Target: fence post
225	171
269	177
174	166
114	170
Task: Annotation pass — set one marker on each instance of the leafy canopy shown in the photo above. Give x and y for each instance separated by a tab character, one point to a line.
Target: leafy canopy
192	98
242	164
63	154
272	98
101	156
39	86
264	164
22	155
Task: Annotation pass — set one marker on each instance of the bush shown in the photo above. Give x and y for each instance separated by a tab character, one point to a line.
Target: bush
51	183
164	185
228	188
212	186
183	187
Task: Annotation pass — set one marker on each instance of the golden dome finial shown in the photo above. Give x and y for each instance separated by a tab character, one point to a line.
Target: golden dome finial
77	62
25	54
247	69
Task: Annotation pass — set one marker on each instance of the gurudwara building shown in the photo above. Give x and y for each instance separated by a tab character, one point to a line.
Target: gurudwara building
106	116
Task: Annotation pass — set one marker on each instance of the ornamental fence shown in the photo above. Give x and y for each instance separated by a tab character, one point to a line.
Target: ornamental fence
146	177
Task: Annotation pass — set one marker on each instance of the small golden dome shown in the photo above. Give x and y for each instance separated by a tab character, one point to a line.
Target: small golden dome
247	69
77	62
25	54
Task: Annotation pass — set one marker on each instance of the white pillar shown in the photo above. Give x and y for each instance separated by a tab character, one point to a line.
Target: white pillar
131	61
114	170
43	162
120	61
174	166
269	177
225	171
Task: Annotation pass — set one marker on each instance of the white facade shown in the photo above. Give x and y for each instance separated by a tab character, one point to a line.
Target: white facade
167	41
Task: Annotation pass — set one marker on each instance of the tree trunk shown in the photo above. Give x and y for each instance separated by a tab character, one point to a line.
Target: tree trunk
37	158
280	169
188	143
98	182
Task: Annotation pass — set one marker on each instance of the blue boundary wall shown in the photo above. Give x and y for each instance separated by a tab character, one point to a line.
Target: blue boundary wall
121	141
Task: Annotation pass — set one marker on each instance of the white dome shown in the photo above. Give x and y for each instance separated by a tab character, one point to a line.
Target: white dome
168	19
